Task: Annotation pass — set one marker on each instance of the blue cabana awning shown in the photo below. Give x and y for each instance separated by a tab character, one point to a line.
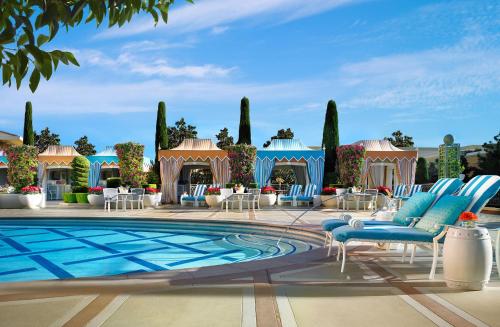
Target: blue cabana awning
289	150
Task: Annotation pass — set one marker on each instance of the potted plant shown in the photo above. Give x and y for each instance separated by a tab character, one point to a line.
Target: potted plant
267	196
96	196
213	197
151	197
328	198
31	197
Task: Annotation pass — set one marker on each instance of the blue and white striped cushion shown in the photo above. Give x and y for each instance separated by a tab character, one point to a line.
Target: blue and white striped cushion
445	186
309	191
481	188
295	190
199	190
399	190
414	189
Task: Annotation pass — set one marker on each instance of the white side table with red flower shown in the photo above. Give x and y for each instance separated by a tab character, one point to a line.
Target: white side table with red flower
267	196
467	255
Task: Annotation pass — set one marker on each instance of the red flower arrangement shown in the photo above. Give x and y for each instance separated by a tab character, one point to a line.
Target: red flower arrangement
213	191
268	190
31	190
328	191
384	190
96	190
468	216
150	190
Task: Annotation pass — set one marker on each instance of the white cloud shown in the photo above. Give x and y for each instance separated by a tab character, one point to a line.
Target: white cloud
216	30
433	78
129	63
206	14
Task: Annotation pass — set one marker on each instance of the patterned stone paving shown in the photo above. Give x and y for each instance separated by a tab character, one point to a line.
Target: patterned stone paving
305	290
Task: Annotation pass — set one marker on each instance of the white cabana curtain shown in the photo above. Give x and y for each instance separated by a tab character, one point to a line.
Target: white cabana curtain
169	170
315	168
407	169
42	175
220	170
95	174
263	170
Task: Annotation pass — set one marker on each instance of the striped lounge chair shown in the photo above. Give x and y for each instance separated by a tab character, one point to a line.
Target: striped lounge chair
293	193
308	196
445	186
197	196
431	228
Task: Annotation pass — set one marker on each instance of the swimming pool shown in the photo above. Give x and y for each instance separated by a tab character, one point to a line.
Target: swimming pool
42	249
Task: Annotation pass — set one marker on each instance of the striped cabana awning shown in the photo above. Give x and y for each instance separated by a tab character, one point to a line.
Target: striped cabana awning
289	151
3	159
379	152
191	150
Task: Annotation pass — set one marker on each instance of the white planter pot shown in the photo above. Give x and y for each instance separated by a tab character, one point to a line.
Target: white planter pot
151	200
96	200
267	200
329	201
31	201
213	201
10	201
467	258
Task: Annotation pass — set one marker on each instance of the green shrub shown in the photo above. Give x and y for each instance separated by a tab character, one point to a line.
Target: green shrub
81	197
113	182
80	172
69	197
80	189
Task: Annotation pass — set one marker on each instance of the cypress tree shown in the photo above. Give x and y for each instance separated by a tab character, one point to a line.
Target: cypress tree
330	143
28	134
422	171
161	135
245	135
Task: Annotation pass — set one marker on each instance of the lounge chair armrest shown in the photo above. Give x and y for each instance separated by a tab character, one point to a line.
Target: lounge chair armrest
442	233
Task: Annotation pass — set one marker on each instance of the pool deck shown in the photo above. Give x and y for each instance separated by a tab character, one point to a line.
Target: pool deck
299	290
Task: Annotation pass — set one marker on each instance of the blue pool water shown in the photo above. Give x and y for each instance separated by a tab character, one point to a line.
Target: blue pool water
41	249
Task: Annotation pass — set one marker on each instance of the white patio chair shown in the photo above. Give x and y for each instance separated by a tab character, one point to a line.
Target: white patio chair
110	196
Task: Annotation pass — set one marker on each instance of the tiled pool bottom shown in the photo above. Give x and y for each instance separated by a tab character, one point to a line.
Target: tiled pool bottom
42	249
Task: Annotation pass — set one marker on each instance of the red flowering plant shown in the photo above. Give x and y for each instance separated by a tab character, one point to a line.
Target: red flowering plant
212	191
268	190
468	219
31	190
150	190
328	191
384	190
98	190
350	158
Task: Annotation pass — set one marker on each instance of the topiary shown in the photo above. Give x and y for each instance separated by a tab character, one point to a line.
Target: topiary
114	182
80	172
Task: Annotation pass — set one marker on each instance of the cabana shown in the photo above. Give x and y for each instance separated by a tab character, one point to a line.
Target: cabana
191	154
308	164
54	170
105	164
387	165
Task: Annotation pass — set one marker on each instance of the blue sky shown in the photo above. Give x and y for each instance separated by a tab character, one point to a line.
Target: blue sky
427	68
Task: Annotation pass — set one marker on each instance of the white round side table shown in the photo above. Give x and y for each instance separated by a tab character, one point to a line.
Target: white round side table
467	258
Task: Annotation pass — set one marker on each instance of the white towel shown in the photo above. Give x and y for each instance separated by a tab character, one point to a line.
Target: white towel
356	223
345	217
